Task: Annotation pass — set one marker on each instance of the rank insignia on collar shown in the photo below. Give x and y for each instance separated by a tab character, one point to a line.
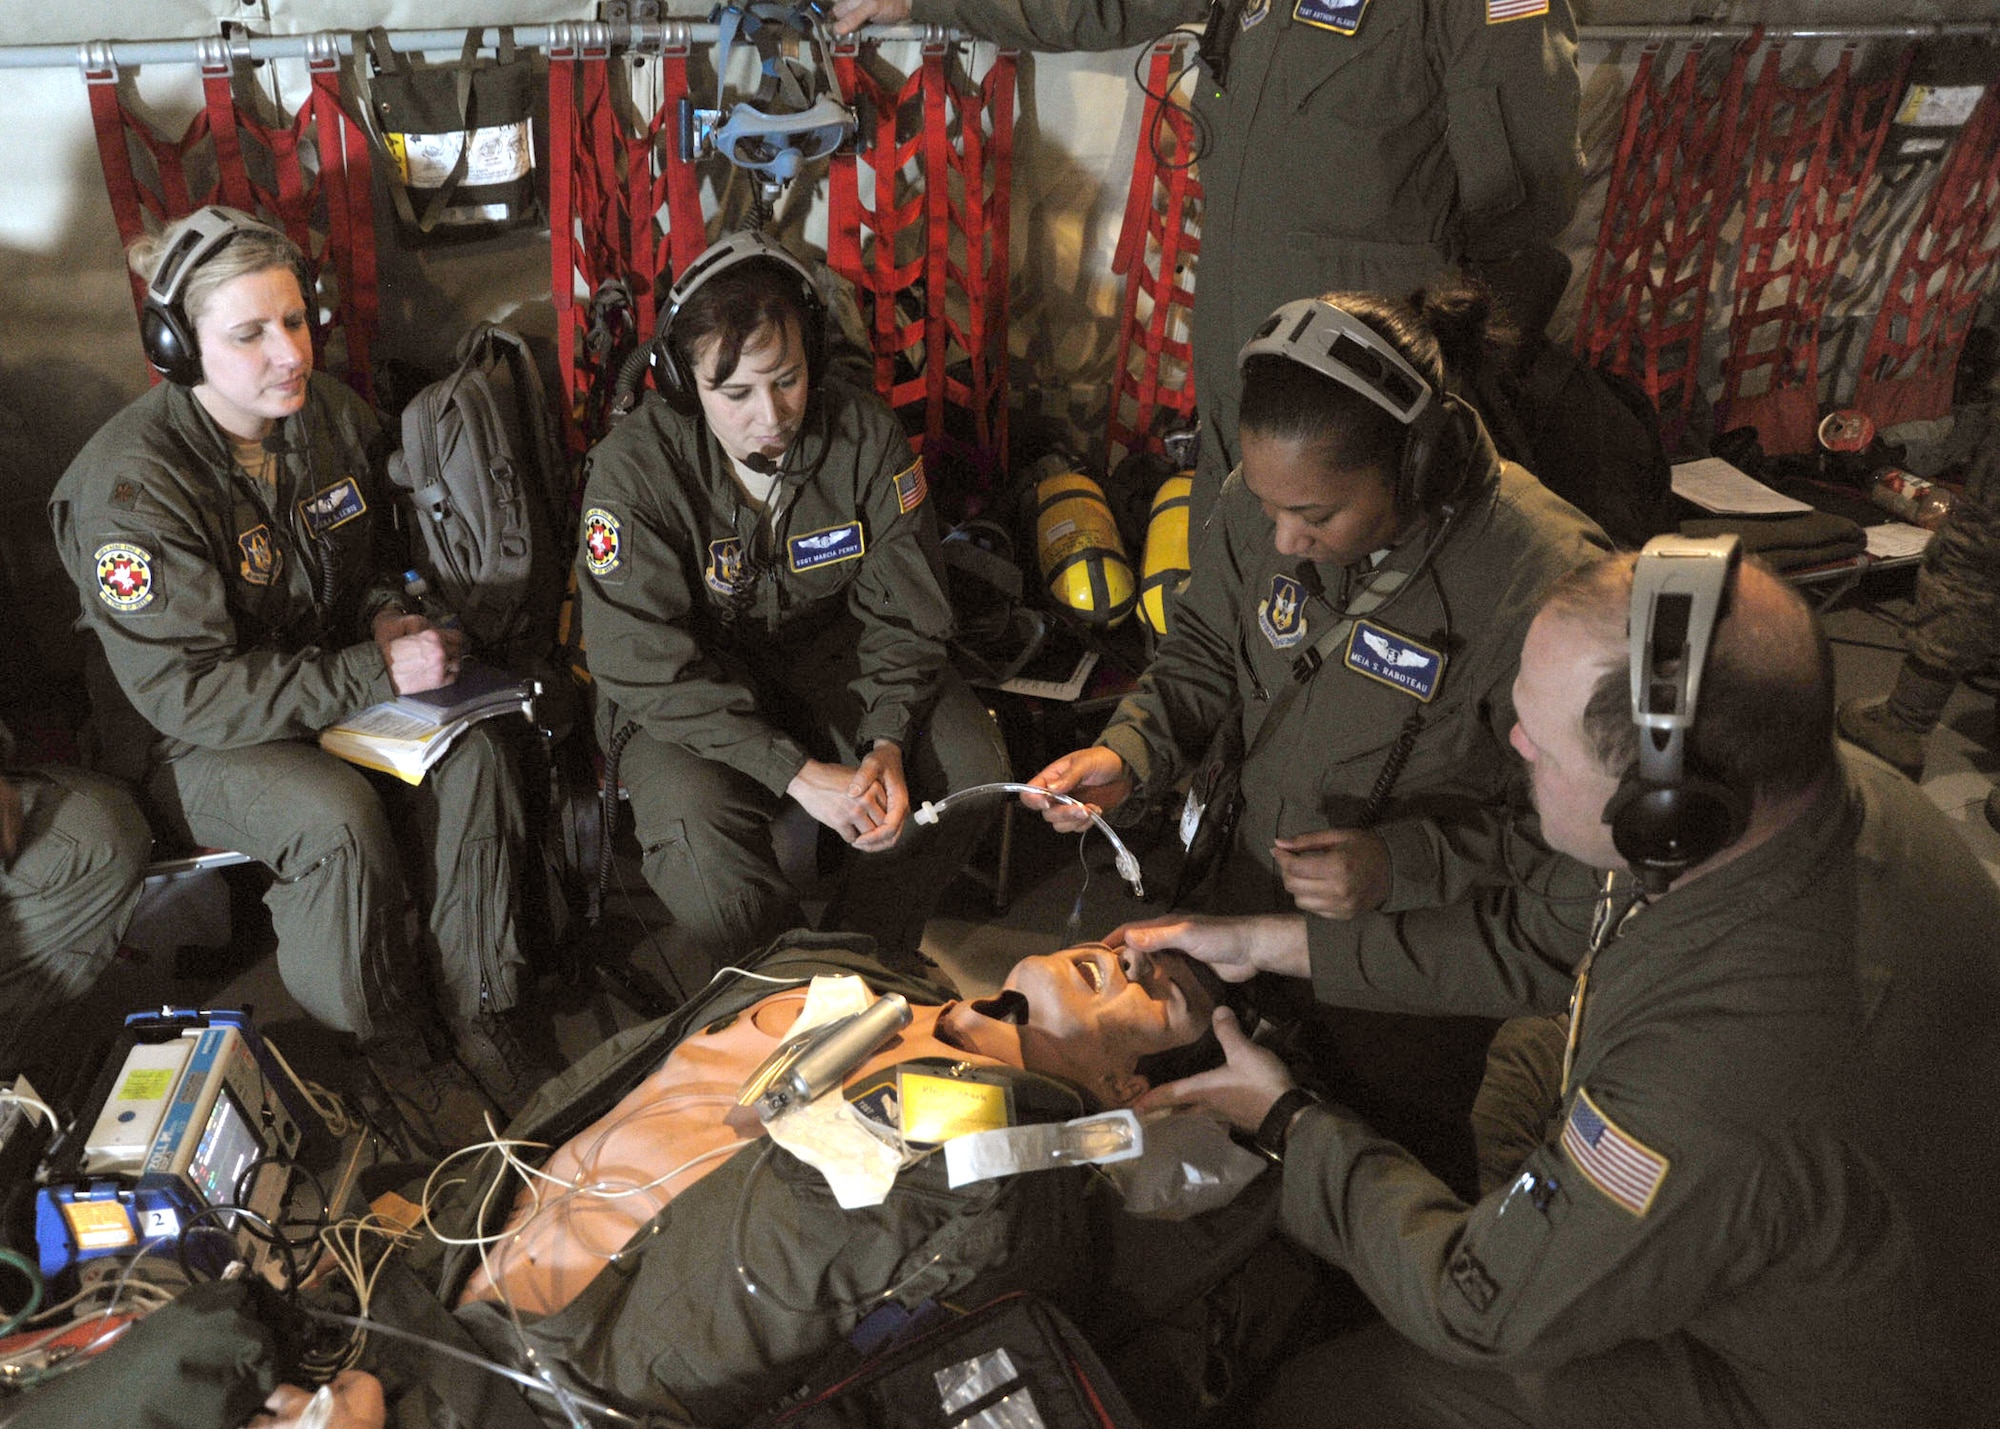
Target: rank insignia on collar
826	547
600	541
1282	614
125	576
725	565
910	487
260	555
1343	17
333	506
1254	13
1395	660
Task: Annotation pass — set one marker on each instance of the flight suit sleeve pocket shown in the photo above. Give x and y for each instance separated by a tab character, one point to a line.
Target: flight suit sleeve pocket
1500	1256
1489	185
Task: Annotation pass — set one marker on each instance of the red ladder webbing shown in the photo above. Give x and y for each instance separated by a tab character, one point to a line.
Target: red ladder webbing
1645	302
1157	249
1811	159
1949	263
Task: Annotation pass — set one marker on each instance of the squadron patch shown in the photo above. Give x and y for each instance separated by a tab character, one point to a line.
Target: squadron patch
911	488
332	506
1343	17
1395	660
1611	1159
1499	12
124	576
826	547
725	565
1254	13
260	555
1282	614
600	541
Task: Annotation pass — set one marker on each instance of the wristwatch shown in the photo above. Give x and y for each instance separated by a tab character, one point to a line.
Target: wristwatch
1276	1128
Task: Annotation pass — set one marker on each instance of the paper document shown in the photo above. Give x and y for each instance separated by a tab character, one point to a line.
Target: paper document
1896	539
1714	485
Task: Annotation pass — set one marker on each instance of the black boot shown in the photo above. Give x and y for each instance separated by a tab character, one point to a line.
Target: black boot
439	1104
506	1067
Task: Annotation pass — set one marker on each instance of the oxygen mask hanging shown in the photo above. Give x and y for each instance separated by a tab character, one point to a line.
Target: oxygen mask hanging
797	114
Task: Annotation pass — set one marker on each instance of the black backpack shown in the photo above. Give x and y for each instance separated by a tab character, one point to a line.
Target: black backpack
487	486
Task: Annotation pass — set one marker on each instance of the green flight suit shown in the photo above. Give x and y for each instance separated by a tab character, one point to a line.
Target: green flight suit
1243	621
230	630
740	645
1432	134
66	897
1781	1219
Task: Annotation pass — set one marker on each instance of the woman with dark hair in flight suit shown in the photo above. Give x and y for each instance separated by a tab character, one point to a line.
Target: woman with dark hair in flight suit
229	533
1365	582
764	616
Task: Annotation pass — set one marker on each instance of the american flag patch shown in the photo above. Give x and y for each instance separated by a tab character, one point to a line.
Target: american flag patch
1626	1170
1498	12
910	487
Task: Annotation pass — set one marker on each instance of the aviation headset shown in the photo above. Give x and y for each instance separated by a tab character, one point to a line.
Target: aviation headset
1334	343
165	329
1666	816
673	374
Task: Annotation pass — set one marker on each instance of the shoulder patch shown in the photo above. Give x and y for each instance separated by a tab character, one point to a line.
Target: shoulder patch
600	541
1499	12
125	576
1611	1159
1343	17
910	487
1395	660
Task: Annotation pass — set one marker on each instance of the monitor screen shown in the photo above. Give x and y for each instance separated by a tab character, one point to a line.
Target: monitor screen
229	1143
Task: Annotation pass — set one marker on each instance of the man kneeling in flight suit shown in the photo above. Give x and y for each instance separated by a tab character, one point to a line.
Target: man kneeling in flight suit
1768	1081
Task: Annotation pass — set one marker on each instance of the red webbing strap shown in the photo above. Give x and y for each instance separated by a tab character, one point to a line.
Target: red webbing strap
1811	156
843	182
232	177
1157	253
688	229
1645	303
871	265
937	236
107	117
1948	265
350	218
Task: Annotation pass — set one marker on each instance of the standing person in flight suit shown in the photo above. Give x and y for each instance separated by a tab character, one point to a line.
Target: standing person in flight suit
1355	615
230	535
760	598
1353	145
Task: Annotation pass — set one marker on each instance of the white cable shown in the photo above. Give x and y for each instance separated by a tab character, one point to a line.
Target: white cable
1127	864
8	1094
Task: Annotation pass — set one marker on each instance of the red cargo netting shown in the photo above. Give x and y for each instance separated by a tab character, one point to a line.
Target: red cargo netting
308	176
931	266
1812	155
610	181
1947	266
1645	302
1157	248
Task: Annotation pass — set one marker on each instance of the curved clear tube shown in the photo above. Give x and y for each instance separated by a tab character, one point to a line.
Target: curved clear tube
1127	864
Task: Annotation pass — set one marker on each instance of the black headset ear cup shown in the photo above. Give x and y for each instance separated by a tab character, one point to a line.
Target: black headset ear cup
1669	828
170	347
1435	454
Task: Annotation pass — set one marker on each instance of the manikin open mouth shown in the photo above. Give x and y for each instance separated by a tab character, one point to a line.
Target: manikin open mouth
1088	969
